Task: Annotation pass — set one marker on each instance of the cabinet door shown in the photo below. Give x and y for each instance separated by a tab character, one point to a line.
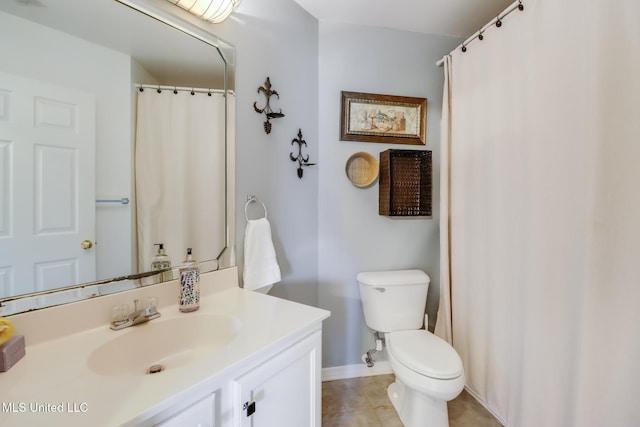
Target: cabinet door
284	391
200	414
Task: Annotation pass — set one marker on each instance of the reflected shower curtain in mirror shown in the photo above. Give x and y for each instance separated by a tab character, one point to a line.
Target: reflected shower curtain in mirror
180	174
545	214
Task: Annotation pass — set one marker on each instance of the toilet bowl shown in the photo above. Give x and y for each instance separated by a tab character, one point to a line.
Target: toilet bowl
428	374
428	370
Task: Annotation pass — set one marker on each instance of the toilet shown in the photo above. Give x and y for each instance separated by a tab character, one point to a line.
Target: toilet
428	370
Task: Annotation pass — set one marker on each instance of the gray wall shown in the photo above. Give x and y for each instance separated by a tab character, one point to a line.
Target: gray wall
352	236
280	40
326	230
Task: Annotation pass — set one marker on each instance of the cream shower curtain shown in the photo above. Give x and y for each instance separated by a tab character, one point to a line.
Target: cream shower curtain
544	134
443	323
179	155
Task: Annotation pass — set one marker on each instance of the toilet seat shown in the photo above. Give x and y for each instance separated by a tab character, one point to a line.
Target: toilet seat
425	353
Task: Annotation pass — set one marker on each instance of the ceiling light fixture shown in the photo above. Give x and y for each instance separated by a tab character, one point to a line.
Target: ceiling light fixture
214	11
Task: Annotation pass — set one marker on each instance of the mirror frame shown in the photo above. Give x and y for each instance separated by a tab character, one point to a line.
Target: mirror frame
226	259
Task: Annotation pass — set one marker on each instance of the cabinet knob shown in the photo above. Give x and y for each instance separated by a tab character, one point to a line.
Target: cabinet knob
250	407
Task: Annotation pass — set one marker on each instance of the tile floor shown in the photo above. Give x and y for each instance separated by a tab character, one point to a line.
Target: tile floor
363	402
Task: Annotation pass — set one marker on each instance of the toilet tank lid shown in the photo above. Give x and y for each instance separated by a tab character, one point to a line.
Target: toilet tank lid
391	278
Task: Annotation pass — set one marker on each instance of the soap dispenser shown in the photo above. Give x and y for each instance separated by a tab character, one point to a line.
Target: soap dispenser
189	284
161	261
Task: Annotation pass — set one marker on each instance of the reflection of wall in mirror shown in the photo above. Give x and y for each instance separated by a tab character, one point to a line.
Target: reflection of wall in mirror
41	53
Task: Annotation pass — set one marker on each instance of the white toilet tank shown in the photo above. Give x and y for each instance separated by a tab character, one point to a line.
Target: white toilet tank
393	300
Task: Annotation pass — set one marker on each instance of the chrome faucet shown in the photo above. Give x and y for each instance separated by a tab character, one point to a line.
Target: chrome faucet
124	319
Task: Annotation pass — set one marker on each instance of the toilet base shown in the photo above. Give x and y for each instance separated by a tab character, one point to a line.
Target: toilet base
415	409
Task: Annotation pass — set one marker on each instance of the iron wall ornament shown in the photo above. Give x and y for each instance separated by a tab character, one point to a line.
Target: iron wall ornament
266	89
302	160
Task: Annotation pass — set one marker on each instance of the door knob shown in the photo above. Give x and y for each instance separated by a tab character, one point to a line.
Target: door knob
86	244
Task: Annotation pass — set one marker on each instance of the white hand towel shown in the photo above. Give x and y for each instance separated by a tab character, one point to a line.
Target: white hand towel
260	264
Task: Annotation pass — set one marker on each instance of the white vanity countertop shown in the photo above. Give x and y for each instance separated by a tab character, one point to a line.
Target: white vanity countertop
53	384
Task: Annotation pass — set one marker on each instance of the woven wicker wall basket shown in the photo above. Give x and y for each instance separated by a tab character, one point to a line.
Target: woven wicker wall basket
405	183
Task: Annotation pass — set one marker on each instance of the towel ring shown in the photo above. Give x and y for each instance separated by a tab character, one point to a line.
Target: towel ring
254	199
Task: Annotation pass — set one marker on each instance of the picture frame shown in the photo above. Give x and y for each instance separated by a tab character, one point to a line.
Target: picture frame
369	117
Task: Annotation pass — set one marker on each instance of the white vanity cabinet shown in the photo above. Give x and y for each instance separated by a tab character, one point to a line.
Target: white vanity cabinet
272	363
200	414
281	389
282	392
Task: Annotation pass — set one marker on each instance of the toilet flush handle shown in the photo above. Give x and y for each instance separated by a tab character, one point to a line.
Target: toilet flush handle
379	289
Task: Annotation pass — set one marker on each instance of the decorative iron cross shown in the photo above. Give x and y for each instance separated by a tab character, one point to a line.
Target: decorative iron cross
266	89
302	160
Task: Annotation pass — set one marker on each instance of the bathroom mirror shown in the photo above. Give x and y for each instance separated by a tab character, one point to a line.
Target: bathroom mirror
70	223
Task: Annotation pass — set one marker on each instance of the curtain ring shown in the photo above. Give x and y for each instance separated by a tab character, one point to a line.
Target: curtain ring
159	90
520	5
209	93
175	90
141	89
498	22
464	48
192	92
480	36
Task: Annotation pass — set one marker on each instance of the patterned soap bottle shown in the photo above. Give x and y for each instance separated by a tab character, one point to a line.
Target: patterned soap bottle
189	284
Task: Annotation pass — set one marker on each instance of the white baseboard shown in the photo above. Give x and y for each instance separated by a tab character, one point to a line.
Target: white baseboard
354	371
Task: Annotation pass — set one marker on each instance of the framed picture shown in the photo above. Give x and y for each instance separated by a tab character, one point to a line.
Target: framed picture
392	119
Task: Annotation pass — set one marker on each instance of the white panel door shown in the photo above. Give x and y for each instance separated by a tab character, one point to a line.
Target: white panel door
47	200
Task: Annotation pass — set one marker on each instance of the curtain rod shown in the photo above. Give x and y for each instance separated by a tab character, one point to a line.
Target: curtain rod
181	88
478	34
